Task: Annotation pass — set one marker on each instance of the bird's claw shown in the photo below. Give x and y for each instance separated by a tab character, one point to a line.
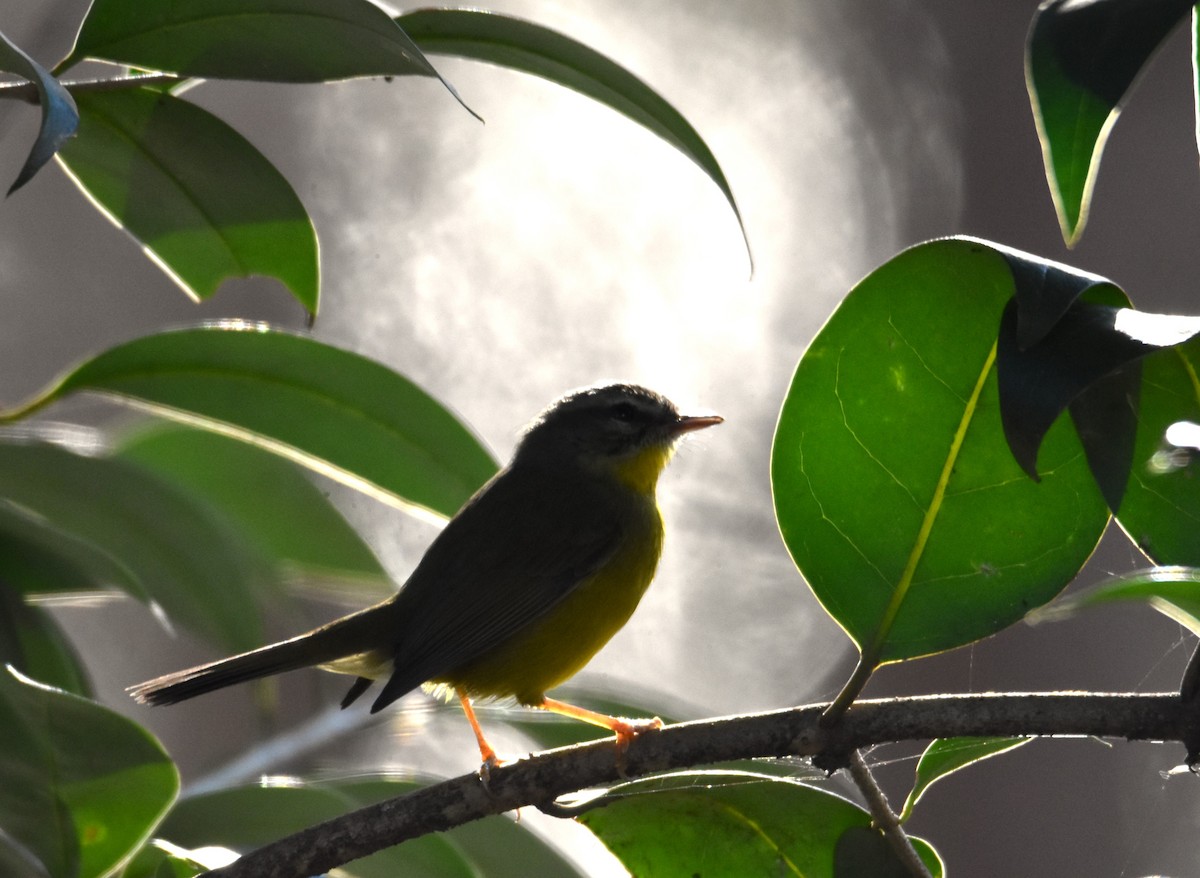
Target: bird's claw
628	729
485	771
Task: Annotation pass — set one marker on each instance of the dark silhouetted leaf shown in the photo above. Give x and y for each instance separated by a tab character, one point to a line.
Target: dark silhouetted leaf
1090	342
1080	61
1105	417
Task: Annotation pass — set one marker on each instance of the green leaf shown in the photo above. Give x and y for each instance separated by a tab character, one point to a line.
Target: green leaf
81	787
335	412
1089	361
39	558
201	200
862	851
271	40
163	860
32	642
1173	591
530	48
1162	501
1057	350
894	488
268	500
1080	62
946	756
59	116
194	566
726	823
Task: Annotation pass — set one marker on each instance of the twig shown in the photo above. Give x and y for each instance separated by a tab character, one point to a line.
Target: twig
884	817
27	91
795	732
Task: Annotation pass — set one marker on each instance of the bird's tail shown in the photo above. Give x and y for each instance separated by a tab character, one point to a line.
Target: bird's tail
337	640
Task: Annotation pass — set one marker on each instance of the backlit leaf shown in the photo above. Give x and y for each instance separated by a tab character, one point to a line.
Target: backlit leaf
81	787
203	202
894	488
338	413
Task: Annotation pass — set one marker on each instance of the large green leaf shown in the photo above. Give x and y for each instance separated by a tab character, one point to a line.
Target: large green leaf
59	116
948	755
81	787
728	823
531	48
204	203
269	500
182	558
894	489
333	411
1161	509
275	40
1080	62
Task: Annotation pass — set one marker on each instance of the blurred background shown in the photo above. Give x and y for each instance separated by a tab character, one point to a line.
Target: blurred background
498	265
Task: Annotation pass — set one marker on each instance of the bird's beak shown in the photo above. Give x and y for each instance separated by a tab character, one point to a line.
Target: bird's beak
689	423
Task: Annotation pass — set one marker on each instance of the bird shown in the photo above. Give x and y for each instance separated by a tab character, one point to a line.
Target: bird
524	584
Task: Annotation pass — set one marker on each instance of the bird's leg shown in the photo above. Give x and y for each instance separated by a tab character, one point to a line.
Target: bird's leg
625	729
490	760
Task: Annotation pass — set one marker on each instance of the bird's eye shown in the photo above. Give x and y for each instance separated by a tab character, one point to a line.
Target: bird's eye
624	411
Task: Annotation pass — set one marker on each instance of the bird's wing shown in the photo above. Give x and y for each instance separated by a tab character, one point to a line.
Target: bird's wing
512	554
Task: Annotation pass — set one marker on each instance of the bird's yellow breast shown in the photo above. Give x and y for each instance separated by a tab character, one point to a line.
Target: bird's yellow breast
641	471
556	646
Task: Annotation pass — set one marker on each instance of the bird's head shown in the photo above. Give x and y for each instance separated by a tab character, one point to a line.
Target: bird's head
628	429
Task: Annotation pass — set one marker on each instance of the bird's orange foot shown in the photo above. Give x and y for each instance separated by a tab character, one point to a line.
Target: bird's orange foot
625	729
628	729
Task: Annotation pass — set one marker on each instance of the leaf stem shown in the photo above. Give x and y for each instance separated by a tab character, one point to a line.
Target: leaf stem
884	817
850	691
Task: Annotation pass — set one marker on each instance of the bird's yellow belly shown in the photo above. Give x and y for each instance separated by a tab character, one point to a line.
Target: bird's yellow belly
555	647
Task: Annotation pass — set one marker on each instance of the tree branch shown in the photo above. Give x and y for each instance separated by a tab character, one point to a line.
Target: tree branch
540	779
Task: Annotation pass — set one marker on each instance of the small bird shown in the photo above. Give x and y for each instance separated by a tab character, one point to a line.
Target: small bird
532	576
